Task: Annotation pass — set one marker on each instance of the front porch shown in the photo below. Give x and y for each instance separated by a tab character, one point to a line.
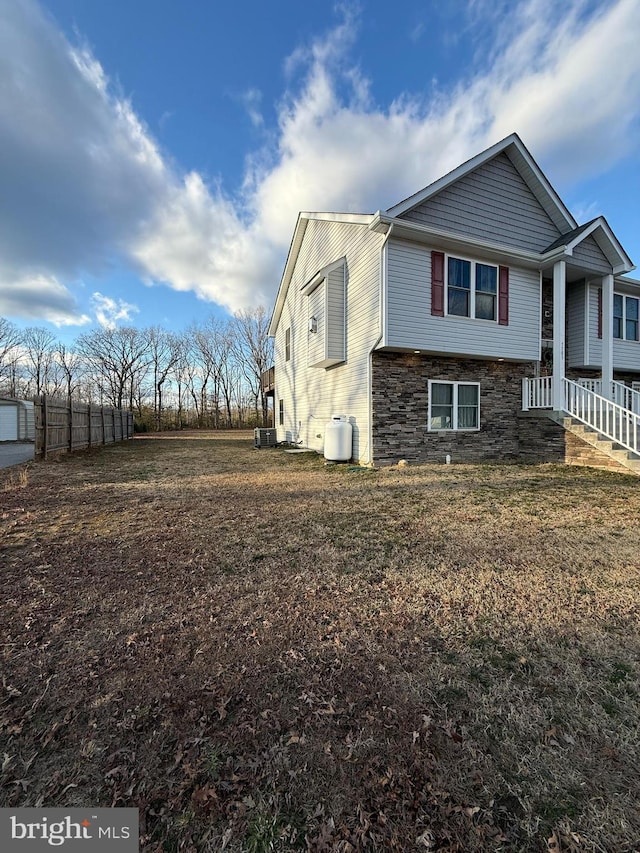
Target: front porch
611	410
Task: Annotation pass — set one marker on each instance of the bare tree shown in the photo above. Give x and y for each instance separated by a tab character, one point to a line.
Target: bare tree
165	350
38	357
70	364
254	351
9	340
120	356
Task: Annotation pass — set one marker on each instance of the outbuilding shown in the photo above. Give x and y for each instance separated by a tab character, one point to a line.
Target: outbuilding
17	431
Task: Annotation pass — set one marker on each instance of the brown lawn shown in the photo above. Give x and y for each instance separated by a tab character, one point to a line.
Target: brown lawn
262	653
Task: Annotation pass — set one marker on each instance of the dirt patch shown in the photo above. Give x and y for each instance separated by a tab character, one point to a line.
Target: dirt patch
263	653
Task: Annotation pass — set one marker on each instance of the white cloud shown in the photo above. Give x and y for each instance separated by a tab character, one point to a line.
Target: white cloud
252	100
110	311
40	297
569	85
84	181
417	32
585	211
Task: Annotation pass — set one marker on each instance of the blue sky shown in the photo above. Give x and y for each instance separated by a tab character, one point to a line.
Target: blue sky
155	154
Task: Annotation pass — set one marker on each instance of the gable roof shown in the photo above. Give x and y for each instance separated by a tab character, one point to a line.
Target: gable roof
571	234
601	232
569	237
294	251
527	167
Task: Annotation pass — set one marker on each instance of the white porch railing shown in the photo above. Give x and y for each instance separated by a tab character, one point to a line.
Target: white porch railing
536	393
626	397
621	394
612	420
615	422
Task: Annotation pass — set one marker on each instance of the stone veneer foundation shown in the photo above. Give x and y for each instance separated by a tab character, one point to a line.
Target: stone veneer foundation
400	383
400	407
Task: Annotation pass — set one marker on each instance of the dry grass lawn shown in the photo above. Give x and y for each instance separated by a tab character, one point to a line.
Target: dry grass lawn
262	653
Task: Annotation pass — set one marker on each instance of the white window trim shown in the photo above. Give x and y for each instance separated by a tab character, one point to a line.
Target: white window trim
287	344
472	289
455	427
624	337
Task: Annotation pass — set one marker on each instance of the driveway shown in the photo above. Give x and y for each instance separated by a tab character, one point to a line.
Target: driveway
13	453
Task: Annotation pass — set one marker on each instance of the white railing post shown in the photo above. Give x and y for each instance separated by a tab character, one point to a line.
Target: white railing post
525	394
607	336
559	309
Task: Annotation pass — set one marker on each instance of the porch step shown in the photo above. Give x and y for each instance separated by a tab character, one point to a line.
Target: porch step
594	449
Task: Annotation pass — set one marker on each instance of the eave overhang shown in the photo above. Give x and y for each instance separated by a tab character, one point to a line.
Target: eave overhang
407	230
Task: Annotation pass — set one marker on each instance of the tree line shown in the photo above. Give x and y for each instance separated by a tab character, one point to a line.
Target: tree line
208	376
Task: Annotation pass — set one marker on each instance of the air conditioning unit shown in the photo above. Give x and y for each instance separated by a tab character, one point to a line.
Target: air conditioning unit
265	438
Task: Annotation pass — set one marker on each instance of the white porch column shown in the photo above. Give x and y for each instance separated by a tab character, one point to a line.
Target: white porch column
607	336
559	309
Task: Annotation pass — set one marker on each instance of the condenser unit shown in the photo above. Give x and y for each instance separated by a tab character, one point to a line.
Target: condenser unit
265	438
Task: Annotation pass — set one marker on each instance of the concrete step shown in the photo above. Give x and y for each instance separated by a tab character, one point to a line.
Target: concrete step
594	448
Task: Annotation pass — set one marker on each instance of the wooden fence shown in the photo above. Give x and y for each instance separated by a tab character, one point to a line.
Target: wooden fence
68	425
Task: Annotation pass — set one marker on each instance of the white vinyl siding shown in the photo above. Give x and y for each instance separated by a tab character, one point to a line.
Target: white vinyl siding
336	333
410	324
492	203
312	395
576	295
326	318
626	354
589	254
315	340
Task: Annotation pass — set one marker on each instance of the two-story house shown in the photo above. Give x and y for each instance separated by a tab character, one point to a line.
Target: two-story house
459	322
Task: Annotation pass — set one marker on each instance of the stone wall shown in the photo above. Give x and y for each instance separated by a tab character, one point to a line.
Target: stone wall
540	438
400	408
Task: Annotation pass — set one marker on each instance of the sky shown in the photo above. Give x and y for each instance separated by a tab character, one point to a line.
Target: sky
154	155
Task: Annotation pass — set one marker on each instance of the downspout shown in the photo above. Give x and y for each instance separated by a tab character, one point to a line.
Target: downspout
383	283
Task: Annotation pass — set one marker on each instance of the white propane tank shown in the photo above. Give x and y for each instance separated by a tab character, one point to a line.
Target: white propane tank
338	439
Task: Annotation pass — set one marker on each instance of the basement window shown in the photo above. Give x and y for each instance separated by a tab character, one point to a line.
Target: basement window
454	406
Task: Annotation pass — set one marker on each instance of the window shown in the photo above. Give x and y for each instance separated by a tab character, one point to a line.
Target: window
281	412
472	289
625	317
287	345
454	405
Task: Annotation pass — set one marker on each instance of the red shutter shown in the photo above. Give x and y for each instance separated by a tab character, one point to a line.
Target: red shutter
599	312
503	296
437	284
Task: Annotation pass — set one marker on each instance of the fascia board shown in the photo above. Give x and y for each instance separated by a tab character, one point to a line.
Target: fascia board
292	256
631	282
349	218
